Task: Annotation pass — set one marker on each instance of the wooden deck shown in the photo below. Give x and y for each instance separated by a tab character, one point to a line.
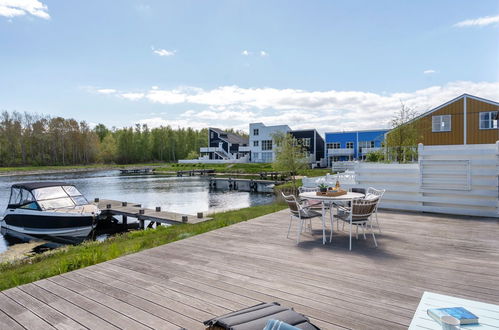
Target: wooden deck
184	283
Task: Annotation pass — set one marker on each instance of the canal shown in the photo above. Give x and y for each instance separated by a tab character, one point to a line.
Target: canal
177	194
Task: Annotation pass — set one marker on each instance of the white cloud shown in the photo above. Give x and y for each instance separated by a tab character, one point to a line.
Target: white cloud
481	21
106	91
245	53
430	71
164	52
133	96
263	53
13	8
233	106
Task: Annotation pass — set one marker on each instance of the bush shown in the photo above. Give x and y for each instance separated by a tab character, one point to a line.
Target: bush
375	156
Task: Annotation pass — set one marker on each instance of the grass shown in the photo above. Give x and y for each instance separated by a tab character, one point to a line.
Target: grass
69	258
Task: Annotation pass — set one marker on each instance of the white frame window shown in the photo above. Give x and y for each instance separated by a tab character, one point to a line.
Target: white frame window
333	145
488	120
256	131
266	145
442	123
349	145
255	143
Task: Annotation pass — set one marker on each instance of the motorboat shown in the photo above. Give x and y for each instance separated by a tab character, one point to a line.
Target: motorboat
53	211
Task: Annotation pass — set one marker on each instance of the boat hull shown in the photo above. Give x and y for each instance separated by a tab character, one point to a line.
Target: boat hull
61	228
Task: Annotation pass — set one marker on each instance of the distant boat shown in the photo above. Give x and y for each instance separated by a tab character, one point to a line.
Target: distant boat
53	211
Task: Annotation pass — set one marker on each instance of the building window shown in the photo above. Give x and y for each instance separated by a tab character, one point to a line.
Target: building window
305	142
255	143
256	131
254	156
349	145
441	123
366	144
267	157
488	120
267	145
333	145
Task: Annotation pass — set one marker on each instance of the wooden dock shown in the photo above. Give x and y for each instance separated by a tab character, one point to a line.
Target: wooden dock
146	170
134	210
196	172
252	185
184	283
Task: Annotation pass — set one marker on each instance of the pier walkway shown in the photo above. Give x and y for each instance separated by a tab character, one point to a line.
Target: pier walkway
134	210
186	282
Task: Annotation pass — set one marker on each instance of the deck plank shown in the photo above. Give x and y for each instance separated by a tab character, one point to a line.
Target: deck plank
186	282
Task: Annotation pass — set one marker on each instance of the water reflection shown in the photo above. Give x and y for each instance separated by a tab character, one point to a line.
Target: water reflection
177	194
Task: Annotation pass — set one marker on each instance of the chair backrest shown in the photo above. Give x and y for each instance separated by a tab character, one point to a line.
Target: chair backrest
363	208
293	205
372	193
376	192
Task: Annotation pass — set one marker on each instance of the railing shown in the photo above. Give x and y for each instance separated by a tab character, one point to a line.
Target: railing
365	151
340	152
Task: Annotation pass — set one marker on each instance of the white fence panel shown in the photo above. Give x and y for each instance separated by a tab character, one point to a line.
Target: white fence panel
460	179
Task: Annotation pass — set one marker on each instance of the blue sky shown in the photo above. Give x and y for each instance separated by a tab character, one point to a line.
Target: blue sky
325	64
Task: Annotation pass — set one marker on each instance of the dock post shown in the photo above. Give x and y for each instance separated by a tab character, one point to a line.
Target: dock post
200	215
96	200
125	222
184	218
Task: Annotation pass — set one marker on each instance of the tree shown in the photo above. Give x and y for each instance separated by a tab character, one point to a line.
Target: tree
192	155
405	134
290	157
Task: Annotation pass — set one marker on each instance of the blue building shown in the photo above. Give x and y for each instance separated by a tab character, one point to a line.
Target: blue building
354	145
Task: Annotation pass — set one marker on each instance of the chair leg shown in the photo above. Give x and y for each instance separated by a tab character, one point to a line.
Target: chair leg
289	228
300	228
364	230
374	237
357	231
377	223
350	243
331	219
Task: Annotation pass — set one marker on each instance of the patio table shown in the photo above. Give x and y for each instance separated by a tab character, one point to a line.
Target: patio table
488	314
348	197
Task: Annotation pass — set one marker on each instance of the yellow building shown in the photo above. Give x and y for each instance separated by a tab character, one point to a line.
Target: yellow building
467	119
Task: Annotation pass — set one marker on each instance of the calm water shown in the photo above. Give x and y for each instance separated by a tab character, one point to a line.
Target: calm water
185	195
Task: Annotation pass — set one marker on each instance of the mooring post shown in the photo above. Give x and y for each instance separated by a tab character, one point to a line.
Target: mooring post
200	215
124	203
185	219
96	200
158	208
125	222
142	211
108	206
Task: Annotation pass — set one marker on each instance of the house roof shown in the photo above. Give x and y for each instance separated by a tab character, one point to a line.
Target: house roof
452	101
231	137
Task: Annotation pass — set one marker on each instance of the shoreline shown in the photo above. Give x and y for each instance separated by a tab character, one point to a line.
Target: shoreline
69	170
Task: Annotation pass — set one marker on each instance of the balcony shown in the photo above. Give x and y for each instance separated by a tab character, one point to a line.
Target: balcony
365	151
340	152
244	149
211	149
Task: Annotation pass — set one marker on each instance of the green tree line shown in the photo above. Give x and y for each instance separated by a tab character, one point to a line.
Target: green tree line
33	140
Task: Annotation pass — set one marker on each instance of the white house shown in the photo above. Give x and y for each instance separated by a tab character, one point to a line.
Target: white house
261	145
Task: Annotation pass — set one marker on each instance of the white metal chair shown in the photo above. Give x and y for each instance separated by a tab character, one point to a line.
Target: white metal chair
359	214
301	213
375	193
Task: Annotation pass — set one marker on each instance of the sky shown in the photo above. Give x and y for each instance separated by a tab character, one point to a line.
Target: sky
329	65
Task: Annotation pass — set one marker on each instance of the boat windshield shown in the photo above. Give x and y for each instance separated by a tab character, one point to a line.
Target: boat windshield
59	197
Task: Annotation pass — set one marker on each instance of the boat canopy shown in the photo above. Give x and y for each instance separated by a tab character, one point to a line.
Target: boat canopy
45	196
